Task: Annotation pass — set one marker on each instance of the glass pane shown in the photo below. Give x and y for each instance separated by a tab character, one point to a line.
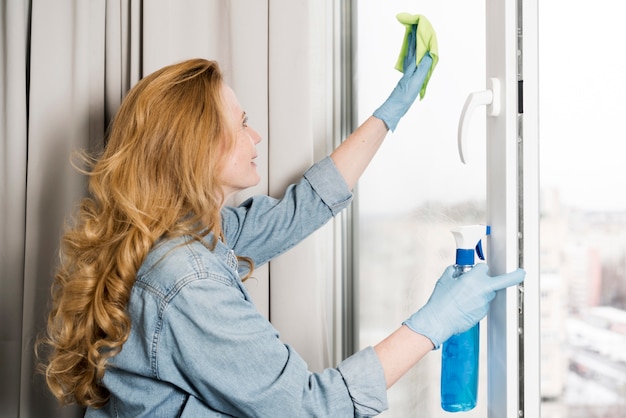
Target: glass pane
583	218
417	190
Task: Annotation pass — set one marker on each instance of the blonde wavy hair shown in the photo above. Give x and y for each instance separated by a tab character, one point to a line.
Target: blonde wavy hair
158	176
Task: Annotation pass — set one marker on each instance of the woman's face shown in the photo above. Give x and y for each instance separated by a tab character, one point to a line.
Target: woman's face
240	170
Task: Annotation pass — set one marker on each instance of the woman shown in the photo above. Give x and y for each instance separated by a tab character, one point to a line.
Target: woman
150	316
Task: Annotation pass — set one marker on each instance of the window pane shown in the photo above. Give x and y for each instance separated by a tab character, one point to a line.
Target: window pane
583	214
417	190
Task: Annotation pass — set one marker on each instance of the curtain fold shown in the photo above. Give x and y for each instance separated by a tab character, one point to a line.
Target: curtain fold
14	21
122	51
66	113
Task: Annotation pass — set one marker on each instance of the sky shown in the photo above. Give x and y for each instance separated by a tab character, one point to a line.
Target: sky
581	105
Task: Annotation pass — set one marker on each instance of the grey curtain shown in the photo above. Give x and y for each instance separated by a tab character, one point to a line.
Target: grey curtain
57	96
65	65
14	17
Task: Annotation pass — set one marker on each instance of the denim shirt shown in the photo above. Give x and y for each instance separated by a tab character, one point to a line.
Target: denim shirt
199	348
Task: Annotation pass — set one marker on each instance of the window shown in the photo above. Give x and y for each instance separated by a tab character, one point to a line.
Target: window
417	190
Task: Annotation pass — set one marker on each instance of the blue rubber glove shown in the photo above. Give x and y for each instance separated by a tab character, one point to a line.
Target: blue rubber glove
457	304
407	89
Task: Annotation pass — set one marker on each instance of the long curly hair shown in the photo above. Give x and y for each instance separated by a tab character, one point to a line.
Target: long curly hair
157	176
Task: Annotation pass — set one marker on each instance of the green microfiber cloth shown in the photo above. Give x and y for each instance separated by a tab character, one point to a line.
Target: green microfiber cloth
425	41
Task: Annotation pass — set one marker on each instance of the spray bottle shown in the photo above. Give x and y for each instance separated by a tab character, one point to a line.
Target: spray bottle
459	355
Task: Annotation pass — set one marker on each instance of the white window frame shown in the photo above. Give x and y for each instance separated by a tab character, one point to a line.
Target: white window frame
513	206
531	366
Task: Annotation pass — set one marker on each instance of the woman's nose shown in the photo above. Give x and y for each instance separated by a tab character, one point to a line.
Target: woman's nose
254	135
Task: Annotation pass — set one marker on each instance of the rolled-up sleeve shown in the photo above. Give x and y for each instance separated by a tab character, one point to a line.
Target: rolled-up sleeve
326	180
365	381
263	227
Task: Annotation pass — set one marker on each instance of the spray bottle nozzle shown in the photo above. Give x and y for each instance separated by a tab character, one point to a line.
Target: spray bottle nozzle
479	250
469	240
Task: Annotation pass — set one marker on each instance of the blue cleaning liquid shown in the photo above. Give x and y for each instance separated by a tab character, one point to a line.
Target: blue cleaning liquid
459	354
459	371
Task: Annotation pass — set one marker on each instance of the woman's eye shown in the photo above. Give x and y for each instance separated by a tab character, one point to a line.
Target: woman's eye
244	123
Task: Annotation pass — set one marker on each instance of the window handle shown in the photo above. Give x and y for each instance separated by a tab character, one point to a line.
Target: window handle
489	98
